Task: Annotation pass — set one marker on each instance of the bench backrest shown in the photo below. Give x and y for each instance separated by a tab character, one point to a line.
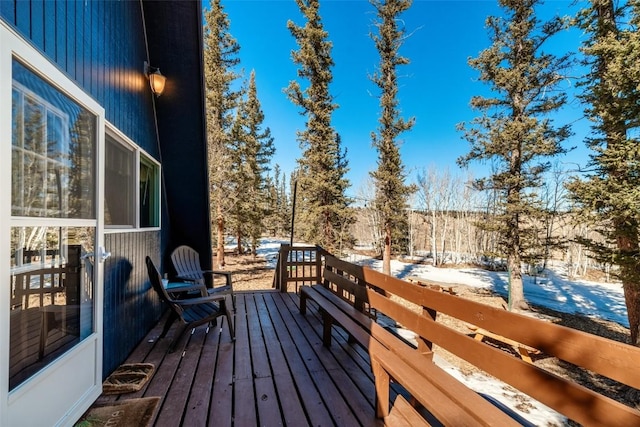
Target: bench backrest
346	280
375	292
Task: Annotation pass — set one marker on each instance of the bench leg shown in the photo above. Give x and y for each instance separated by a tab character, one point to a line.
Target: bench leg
425	347
303	302
381	378
327	321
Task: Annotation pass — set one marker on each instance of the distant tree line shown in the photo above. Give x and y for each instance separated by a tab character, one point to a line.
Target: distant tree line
449	224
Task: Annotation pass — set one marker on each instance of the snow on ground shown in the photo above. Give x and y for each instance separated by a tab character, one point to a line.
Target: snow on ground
268	249
553	290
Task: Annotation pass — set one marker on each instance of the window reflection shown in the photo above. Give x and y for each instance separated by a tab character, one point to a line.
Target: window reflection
53	150
51	295
53	155
149	194
119	186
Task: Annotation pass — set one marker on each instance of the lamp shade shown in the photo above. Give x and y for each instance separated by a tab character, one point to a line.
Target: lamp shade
157	81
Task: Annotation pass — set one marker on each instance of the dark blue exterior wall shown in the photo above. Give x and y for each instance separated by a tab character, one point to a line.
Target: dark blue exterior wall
101	45
173	29
132	308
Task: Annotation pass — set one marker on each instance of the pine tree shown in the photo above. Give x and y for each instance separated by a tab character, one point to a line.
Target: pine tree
238	177
260	150
609	194
391	192
220	57
514	131
323	208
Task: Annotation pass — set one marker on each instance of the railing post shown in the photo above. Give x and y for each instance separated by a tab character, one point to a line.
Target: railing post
301	259
318	265
283	261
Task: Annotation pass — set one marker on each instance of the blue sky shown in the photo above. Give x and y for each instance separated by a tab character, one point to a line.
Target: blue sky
435	88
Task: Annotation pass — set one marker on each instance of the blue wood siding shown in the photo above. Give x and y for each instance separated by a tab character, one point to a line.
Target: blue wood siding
100	44
131	306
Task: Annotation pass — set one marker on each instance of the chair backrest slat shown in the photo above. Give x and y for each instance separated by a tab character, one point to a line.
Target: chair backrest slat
187	263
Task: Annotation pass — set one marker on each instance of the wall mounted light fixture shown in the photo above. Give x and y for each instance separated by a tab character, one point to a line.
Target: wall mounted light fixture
156	79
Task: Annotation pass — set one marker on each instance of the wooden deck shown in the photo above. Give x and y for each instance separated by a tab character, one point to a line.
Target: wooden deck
275	373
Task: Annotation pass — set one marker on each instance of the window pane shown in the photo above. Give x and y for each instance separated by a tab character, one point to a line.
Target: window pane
51	299
119	187
32	185
33	125
53	147
149	194
17	111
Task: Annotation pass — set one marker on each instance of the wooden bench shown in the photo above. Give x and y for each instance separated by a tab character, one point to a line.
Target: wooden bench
352	297
445	398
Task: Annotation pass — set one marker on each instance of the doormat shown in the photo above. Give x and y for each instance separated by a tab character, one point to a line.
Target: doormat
128	378
124	413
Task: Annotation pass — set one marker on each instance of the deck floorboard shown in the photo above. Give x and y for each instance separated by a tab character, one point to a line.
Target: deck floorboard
276	371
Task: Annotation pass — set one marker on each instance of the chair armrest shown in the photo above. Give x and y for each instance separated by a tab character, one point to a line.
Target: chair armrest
227	275
190	276
219	289
195	275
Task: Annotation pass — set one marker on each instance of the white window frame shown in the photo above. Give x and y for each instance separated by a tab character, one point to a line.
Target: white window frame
128	144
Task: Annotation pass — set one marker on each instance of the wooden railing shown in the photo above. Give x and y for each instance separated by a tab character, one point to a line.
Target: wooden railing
298	265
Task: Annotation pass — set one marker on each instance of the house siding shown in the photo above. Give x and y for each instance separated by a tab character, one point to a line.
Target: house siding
101	46
174	31
131	307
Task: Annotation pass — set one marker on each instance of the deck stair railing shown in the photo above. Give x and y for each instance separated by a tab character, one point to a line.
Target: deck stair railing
298	265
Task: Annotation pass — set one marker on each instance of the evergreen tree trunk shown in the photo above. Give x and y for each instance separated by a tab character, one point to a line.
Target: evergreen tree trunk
631	299
386	254
513	243
514	265
631	289
239	243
